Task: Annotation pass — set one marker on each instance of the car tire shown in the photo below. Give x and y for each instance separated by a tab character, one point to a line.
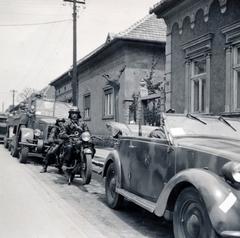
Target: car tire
86	172
23	155
9	148
14	150
5	143
114	200
190	216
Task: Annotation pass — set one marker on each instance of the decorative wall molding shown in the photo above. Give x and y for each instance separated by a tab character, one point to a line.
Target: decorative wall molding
232	33
199	46
191	13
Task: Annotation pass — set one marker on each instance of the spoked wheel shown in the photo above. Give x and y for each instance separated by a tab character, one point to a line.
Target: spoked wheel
190	217
114	200
86	168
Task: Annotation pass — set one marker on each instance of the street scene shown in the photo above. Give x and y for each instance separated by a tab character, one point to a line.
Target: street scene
43	205
120	119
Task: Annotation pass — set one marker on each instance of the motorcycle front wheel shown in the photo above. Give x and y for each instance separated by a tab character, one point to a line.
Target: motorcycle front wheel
86	168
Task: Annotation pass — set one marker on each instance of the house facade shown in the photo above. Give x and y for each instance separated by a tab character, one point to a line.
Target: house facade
202	54
109	77
63	87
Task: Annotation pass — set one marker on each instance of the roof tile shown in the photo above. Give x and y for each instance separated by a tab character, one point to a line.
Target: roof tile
148	28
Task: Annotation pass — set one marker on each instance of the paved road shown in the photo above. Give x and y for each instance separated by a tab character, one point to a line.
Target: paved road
34	205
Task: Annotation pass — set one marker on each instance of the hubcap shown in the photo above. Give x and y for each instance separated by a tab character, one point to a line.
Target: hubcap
193	226
192	221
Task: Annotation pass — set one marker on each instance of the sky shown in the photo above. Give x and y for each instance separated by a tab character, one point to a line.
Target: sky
34	50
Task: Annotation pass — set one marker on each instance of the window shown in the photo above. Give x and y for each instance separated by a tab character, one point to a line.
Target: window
87	103
197	74
232	52
236	77
108	102
198	86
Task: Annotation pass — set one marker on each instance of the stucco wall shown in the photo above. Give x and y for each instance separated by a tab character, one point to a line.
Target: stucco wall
216	21
137	58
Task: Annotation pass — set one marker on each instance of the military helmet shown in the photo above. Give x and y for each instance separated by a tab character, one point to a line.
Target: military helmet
22	105
59	120
74	110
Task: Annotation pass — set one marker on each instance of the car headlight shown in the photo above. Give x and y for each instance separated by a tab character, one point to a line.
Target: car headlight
231	171
37	133
86	136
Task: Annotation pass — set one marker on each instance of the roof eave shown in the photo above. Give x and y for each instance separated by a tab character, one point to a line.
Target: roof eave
141	40
163	6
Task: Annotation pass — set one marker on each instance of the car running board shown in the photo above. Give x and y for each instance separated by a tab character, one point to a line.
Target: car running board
150	206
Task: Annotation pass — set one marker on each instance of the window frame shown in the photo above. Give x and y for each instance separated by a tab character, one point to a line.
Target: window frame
105	93
236	70
232	43
198	78
196	50
86	118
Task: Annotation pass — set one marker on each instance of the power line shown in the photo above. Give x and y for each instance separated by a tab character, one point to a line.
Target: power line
35	24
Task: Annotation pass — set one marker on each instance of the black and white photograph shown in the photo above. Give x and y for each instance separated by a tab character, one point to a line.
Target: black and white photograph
120	119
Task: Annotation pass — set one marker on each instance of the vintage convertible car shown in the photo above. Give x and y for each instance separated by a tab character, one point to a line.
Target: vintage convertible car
32	127
187	170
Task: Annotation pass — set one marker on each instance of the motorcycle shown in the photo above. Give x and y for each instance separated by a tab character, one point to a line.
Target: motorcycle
80	160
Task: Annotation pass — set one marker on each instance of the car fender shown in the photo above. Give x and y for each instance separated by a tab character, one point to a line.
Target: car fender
113	157
26	134
224	213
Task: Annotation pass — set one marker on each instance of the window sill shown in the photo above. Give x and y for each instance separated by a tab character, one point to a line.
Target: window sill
108	117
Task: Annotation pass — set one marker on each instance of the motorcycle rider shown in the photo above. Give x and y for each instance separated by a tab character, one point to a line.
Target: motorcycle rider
71	127
55	145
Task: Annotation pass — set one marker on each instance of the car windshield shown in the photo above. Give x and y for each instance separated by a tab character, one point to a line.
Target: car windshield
52	109
185	126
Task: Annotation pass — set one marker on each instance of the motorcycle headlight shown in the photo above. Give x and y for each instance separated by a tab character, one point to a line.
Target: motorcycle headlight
86	136
37	132
231	171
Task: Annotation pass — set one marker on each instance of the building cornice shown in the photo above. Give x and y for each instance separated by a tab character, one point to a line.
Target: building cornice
185	9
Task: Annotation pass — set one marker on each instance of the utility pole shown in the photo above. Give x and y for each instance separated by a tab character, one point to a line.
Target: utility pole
13	96
74	75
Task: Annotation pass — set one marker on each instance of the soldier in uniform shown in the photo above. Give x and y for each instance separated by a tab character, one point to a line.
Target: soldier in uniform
72	126
56	143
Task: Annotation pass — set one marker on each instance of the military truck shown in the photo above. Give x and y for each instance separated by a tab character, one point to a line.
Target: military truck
3	126
32	127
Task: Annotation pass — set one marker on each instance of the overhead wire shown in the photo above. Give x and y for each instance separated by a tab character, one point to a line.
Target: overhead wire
35	24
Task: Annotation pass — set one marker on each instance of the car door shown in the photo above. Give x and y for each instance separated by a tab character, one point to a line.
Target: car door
150	166
125	155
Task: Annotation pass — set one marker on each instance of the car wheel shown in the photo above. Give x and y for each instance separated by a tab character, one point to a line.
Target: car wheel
86	170
23	155
5	142
14	150
114	200
190	217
